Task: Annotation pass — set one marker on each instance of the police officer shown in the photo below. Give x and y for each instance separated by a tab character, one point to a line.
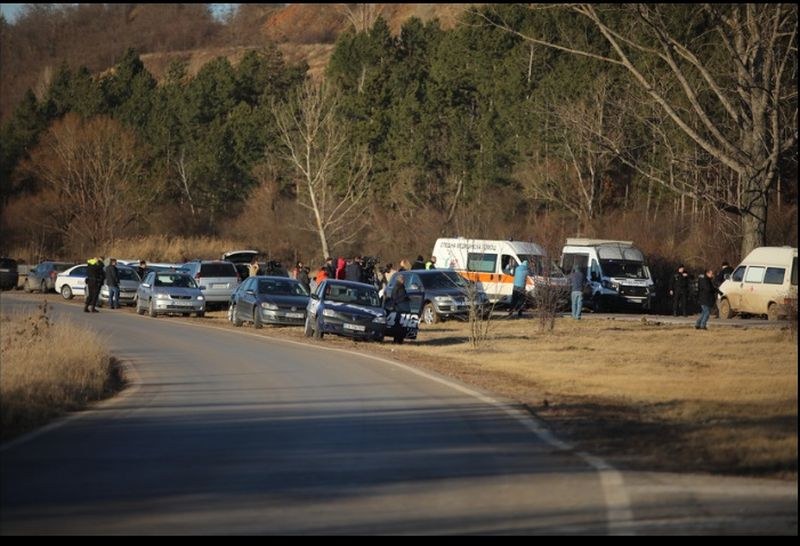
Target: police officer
679	290
95	275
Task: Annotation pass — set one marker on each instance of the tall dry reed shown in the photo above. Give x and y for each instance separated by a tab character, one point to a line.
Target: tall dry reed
49	368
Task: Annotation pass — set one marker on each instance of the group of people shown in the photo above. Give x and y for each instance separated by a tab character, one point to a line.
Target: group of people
97	273
360	269
707	289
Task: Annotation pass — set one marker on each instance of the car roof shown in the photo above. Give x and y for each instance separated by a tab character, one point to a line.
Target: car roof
272	277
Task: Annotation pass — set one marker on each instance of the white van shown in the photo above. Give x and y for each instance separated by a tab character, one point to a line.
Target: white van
615	271
490	264
763	284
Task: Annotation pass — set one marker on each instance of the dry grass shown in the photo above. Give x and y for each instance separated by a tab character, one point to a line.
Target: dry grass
161	248
654	396
49	369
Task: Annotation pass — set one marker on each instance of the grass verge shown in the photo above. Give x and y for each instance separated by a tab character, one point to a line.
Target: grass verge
49	369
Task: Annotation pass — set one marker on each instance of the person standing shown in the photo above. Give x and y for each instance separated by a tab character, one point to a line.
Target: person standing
94	280
253	267
142	269
431	264
112	280
518	294
679	290
400	298
706	297
353	271
577	280
419	264
303	277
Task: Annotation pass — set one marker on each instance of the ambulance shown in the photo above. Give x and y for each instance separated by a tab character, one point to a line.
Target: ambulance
491	263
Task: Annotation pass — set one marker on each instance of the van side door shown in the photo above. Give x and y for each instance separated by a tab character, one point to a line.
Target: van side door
482	268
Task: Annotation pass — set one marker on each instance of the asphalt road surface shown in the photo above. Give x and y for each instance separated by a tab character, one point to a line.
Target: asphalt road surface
227	432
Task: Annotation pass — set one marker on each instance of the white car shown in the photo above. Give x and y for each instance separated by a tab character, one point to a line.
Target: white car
72	282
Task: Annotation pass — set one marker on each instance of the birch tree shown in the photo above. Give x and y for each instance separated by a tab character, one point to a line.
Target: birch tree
331	178
724	75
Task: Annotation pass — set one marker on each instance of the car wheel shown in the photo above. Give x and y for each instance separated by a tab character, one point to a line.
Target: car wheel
235	317
43	287
257	324
308	330
152	310
725	311
772	312
399	338
66	292
429	314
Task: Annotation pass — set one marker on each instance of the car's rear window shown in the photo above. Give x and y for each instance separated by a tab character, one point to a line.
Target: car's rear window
218	270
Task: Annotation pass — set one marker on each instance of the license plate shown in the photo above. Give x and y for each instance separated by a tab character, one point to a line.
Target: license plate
354	327
295	315
219	285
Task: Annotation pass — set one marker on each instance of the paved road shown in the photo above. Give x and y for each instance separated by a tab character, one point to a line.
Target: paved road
230	432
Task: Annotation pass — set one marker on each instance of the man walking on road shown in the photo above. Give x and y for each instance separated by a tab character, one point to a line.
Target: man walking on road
706	297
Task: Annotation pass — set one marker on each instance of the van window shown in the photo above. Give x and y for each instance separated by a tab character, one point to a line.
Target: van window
223	269
482	263
774	275
508	264
738	275
755	274
571	260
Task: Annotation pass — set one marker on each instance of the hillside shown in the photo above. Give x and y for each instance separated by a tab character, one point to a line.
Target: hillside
304	32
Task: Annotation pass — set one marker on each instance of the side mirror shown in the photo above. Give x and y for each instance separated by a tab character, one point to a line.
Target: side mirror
203	287
145	285
728	277
315	296
250	292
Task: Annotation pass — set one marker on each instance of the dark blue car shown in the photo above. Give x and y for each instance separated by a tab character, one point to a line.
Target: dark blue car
354	309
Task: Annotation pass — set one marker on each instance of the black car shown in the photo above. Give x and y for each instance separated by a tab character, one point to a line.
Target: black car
268	300
354	309
444	293
9	275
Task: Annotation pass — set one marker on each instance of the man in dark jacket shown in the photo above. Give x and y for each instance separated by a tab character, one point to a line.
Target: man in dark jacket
94	280
419	264
706	297
112	280
352	271
679	290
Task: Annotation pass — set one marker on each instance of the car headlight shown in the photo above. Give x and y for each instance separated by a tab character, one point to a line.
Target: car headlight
269	306
200	298
610	285
443	299
379	320
162	296
328	313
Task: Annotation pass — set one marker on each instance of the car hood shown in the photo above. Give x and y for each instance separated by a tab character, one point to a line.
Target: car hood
353	309
192	292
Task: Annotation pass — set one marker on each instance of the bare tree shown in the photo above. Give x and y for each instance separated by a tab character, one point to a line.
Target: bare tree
332	179
587	134
94	168
729	88
362	16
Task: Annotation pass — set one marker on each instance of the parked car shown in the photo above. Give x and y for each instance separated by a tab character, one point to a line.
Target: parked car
72	282
354	309
9	274
43	276
269	300
167	292
444	293
128	285
218	279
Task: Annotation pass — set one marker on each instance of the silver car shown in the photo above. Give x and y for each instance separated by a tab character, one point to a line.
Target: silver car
218	279
167	292
128	285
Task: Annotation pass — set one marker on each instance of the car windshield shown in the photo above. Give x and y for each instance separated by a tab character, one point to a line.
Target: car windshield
624	268
281	288
126	274
443	281
352	294
175	281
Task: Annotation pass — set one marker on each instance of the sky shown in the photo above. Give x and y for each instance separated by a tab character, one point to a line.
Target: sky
10	11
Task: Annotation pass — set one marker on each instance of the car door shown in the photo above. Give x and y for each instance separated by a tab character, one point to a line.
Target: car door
753	300
245	303
77	280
